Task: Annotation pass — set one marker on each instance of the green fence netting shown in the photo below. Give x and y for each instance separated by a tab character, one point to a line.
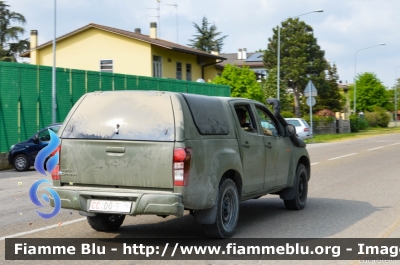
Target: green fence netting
26	94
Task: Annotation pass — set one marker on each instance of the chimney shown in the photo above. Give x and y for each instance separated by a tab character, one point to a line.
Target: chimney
215	51
34	39
240	54
137	30
153	30
33	46
244	57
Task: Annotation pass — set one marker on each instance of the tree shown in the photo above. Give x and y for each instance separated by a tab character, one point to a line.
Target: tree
391	95
301	58
370	93
328	94
10	44
242	81
206	39
270	91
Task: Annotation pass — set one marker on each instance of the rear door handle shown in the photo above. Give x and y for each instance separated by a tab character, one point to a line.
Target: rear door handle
246	144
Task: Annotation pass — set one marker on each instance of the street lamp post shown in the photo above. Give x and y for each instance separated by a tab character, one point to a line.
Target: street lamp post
279	47
54	106
355	73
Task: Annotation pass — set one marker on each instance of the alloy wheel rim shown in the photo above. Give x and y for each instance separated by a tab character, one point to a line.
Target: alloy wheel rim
20	162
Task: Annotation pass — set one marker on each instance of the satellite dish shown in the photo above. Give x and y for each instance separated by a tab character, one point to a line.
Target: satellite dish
200	80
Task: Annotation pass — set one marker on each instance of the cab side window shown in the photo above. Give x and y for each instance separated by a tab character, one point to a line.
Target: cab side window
245	118
267	125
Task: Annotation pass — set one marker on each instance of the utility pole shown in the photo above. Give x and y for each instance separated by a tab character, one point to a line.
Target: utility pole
54	102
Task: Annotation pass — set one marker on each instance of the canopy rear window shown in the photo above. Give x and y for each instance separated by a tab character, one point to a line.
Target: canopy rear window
208	114
122	115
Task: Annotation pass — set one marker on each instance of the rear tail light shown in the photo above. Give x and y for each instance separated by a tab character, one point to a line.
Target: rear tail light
55	174
306	129
182	158
55	151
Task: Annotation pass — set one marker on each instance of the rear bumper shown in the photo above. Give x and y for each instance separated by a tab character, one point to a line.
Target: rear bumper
304	136
143	202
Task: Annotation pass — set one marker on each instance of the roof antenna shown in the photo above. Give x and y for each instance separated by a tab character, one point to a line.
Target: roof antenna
177	27
158	16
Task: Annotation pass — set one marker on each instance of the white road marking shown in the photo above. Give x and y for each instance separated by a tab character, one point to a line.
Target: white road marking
375	148
342	156
395	143
42	229
315	163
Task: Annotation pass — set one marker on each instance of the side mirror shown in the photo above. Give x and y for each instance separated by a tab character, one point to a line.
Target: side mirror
35	139
290	130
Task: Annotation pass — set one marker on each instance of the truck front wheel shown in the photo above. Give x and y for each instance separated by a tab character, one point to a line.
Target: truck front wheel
106	222
227	211
300	187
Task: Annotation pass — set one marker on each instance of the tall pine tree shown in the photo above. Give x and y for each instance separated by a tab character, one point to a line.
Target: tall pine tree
206	38
10	44
301	58
328	95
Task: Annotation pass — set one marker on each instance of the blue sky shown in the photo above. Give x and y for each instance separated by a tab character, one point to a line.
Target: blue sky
344	27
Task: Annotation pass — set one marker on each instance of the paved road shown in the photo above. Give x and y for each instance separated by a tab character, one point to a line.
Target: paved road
353	192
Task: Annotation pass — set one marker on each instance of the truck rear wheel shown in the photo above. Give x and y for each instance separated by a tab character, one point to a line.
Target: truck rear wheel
300	186
227	211
106	222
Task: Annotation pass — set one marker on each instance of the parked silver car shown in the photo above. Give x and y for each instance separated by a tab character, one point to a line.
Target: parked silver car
302	127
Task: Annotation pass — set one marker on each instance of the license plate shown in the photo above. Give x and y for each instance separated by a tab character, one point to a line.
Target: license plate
110	206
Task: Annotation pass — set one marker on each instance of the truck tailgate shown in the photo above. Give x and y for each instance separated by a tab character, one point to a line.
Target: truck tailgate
124	138
117	163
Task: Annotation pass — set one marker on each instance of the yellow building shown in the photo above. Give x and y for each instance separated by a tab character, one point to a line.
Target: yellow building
101	48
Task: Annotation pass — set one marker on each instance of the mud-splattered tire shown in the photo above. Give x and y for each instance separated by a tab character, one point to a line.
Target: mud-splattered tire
106	222
227	211
300	190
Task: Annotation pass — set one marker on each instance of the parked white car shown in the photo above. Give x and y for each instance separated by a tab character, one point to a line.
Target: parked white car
302	127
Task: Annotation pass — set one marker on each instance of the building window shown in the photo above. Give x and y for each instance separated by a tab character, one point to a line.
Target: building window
106	66
157	66
179	71
188	72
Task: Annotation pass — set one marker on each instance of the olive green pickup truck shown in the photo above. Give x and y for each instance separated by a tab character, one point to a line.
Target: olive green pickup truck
160	153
